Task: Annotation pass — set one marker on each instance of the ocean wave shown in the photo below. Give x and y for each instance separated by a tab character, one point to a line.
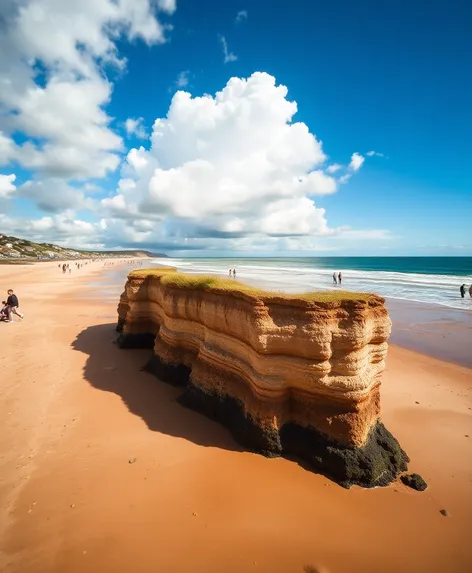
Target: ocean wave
295	276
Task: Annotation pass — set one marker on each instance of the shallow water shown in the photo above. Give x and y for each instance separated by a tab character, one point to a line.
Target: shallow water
441	328
434	280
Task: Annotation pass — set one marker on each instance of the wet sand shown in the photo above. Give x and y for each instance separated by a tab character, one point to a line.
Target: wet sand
75	411
445	333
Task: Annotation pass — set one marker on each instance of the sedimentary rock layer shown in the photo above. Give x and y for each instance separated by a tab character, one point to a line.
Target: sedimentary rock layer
287	374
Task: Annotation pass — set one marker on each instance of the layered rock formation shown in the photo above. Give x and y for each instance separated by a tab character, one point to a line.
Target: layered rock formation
289	375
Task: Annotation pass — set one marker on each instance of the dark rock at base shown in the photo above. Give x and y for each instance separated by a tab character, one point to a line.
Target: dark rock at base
176	375
444	512
415	481
377	463
231	413
142	340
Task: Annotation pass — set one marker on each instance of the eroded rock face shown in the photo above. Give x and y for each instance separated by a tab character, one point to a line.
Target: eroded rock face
287	375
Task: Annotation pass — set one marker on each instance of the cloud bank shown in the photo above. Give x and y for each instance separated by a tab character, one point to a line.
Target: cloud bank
53	89
234	166
230	171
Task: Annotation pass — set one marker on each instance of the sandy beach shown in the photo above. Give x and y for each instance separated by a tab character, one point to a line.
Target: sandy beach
102	470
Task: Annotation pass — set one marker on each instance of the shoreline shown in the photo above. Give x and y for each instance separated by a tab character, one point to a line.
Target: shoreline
442	333
433	330
99	465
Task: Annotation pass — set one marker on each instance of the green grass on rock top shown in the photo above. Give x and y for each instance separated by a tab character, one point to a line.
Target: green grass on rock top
170	277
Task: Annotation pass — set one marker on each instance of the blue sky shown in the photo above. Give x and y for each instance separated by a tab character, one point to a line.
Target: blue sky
386	76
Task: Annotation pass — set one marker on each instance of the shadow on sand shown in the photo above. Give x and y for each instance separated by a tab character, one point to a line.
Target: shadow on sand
120	371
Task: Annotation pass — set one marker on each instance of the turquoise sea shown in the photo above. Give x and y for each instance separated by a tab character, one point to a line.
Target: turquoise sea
433	280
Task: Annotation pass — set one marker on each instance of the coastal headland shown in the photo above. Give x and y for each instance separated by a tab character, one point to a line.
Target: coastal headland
102	469
288	375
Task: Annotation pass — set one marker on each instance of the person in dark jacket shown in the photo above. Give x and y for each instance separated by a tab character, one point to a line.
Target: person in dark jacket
462	289
13	304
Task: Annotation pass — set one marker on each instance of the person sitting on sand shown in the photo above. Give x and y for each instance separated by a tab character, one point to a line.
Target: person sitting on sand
4	312
13	304
462	289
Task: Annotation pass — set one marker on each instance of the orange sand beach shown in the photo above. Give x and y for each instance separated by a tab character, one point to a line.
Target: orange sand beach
102	470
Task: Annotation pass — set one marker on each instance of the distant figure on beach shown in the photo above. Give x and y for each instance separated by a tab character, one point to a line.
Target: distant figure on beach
230	272
340	278
462	289
334	279
470	291
12	306
234	273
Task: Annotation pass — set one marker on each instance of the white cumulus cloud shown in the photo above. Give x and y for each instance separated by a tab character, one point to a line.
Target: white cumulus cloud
374	154
356	161
134	126
231	165
183	79
64	228
55	195
52	87
333	168
7	186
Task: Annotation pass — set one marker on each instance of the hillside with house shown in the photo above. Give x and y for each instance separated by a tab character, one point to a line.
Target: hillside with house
13	249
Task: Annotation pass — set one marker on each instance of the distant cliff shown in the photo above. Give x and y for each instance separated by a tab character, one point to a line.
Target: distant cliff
12	249
296	375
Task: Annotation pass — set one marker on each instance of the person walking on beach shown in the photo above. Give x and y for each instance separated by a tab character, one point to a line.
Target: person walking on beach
462	289
234	273
340	278
470	291
13	304
230	273
335	281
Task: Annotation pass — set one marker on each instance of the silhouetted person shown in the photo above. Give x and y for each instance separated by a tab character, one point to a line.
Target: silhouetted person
335	281
340	278
470	291
462	289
